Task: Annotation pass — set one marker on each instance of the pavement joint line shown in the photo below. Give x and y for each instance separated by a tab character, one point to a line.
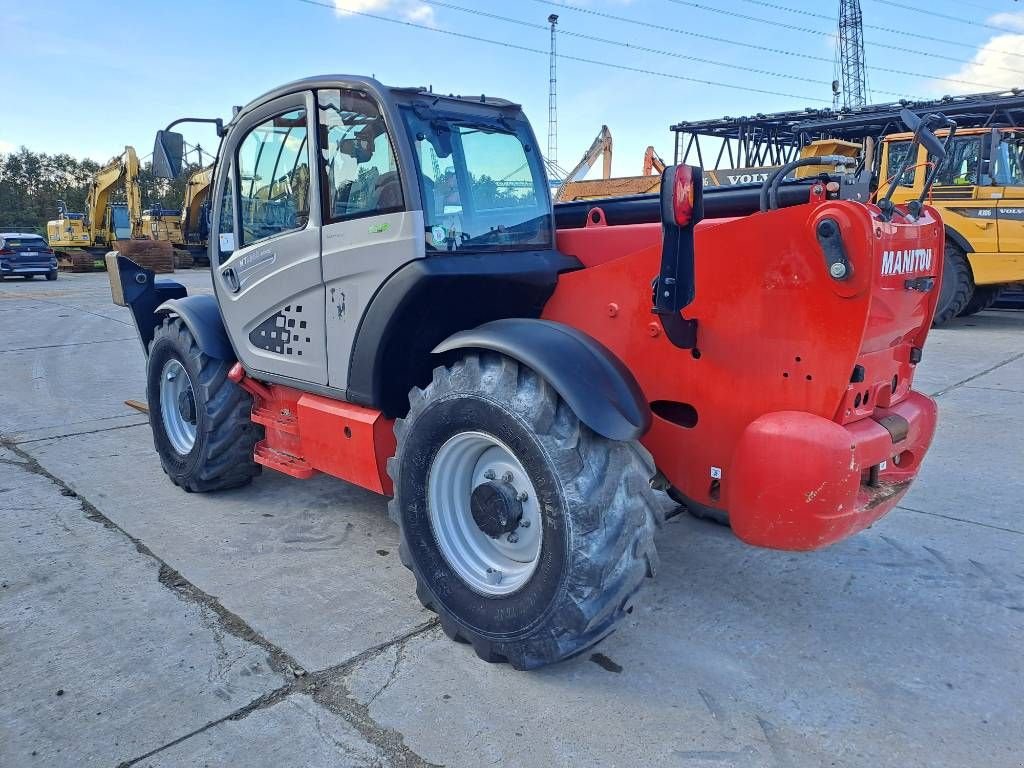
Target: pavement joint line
77	434
961	520
82	309
326	687
72	344
951	387
997	389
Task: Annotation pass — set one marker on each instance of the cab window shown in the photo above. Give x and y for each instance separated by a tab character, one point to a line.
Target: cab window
226	221
273	177
898	153
483	185
962	163
359	175
1009	160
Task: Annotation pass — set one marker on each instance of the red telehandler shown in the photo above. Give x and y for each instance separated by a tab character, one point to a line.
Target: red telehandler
397	304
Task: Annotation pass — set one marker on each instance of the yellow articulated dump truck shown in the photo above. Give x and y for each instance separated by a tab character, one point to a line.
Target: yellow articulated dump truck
978	189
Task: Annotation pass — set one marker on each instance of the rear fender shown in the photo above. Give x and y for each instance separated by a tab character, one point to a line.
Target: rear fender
593	382
202	317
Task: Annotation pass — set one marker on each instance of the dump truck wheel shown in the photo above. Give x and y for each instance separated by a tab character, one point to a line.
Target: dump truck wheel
957	286
528	533
984	297
200	419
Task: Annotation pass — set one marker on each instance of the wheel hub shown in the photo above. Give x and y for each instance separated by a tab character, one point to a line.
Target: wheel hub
485	513
187	406
496	508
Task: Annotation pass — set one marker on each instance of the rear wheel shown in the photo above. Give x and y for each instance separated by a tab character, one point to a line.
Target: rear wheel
51	275
528	533
984	297
200	418
957	285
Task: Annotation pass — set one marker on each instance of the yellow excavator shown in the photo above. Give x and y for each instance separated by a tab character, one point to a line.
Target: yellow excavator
194	227
81	240
77	236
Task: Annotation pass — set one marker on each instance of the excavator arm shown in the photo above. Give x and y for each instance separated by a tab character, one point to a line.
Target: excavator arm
125	167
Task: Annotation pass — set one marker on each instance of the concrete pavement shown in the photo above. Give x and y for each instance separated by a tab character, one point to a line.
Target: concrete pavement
275	626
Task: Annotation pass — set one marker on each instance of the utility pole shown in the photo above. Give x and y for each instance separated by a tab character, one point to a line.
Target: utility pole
553	99
851	69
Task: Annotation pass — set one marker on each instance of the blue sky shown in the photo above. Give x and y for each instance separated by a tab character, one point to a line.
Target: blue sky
88	76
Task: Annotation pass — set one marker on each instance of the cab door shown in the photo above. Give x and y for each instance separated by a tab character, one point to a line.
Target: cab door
1009	176
368	231
266	242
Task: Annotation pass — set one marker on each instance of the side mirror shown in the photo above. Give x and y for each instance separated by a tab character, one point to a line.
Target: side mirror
924	134
168	150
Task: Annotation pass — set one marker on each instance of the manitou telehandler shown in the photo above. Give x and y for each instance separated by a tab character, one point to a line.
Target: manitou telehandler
395	305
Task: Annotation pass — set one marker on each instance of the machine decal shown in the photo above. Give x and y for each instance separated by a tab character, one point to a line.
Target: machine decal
282	333
905	262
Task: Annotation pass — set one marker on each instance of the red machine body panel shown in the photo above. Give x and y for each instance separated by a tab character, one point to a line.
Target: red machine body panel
307	433
763	419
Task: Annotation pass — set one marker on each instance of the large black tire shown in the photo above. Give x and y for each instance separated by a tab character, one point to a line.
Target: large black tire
984	297
599	514
51	275
222	454
957	286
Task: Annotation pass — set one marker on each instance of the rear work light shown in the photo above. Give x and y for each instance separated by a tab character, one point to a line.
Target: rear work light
683	194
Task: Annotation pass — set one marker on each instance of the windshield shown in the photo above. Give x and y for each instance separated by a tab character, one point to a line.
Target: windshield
1009	165
483	186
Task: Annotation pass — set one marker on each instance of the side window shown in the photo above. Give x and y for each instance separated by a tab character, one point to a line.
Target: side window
960	168
359	172
273	176
898	153
226	222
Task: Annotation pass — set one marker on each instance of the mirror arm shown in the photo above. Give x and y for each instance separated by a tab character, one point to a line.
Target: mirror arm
221	131
934	170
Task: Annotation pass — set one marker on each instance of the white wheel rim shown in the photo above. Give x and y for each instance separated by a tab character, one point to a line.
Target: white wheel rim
174	384
490	566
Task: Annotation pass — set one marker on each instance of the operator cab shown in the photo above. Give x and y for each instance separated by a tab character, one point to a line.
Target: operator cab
328	191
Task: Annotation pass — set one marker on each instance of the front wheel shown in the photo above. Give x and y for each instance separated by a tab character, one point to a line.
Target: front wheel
956	288
984	297
200	418
528	533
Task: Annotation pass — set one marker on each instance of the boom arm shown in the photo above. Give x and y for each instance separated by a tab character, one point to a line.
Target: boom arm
126	167
602	146
196	192
653	164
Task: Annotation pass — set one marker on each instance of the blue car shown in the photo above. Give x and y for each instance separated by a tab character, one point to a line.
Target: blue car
26	255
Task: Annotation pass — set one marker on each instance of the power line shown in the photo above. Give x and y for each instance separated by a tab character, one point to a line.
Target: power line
958	19
632	46
754	46
890	30
567	57
822	33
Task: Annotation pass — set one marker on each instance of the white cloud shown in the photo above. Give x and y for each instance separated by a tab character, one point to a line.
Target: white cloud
6	147
410	10
999	63
1011	21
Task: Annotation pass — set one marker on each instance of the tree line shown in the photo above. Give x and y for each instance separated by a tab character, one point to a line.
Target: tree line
31	183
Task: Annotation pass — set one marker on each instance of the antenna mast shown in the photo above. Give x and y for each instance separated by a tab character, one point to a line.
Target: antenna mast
850	64
553	99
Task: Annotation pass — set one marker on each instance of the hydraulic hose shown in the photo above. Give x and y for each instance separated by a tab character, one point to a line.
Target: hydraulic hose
770	188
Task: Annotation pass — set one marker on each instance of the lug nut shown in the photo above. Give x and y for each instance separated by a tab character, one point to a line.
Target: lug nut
489	474
494	576
507	477
524	523
523	496
512	538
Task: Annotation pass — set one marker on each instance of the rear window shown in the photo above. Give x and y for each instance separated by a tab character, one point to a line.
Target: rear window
24	243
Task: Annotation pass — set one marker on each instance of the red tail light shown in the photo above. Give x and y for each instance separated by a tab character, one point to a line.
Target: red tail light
6	252
683	195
